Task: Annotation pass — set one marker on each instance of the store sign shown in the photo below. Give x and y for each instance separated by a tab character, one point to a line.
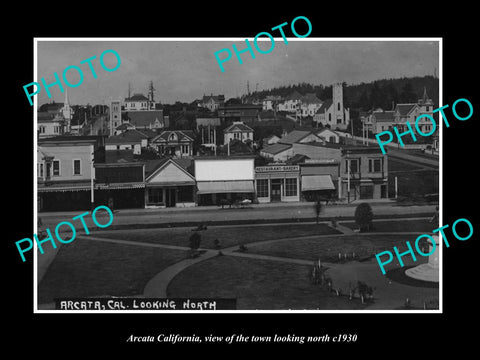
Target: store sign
277	168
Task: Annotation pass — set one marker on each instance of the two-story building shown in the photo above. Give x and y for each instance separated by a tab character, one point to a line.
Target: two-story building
120	185
65	172
291	103
363	173
176	143
271	102
212	102
246	113
310	103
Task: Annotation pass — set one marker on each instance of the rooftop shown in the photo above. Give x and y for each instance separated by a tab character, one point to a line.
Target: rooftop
237	126
137	97
295	136
145	118
404	109
276	148
326	104
384	116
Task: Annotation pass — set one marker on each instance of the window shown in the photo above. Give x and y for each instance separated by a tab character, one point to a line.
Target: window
76	167
330	117
291	187
155	196
56	168
375	165
40	170
185	149
353	164
41	129
338	106
262	187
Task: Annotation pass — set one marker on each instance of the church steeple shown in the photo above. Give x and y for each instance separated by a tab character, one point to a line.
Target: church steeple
67	112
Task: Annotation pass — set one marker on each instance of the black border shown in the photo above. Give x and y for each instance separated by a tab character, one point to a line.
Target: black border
398	332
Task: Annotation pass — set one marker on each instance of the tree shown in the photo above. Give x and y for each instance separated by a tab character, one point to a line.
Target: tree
364	216
194	241
407	94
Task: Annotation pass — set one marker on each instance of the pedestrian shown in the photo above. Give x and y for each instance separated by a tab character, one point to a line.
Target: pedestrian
435	215
110	204
318	209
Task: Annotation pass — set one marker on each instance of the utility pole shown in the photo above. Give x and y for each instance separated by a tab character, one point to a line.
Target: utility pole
348	180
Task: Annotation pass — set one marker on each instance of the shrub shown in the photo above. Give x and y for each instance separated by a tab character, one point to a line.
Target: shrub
364	216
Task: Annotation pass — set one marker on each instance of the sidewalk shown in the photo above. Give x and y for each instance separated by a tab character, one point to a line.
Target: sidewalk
261	213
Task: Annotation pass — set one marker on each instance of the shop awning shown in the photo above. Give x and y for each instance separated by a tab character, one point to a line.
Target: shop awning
215	187
120	186
63	187
317	182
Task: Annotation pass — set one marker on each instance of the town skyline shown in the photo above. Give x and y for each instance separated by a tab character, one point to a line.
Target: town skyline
193	72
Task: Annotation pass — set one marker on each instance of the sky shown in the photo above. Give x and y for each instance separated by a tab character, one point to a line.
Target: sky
186	70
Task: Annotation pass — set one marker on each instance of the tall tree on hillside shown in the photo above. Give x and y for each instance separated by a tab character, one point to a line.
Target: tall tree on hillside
364	101
391	95
376	96
407	95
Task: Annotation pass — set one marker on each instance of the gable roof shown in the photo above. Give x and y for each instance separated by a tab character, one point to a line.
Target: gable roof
295	136
311	98
325	106
237	127
145	118
155	167
404	109
276	148
181	135
215	98
327	130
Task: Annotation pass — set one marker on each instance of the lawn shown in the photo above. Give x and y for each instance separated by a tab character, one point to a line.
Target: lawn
328	248
412	179
420	225
227	236
257	284
87	269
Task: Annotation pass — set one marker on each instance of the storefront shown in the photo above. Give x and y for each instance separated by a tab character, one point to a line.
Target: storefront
169	185
318	179
223	180
277	183
64	196
120	185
